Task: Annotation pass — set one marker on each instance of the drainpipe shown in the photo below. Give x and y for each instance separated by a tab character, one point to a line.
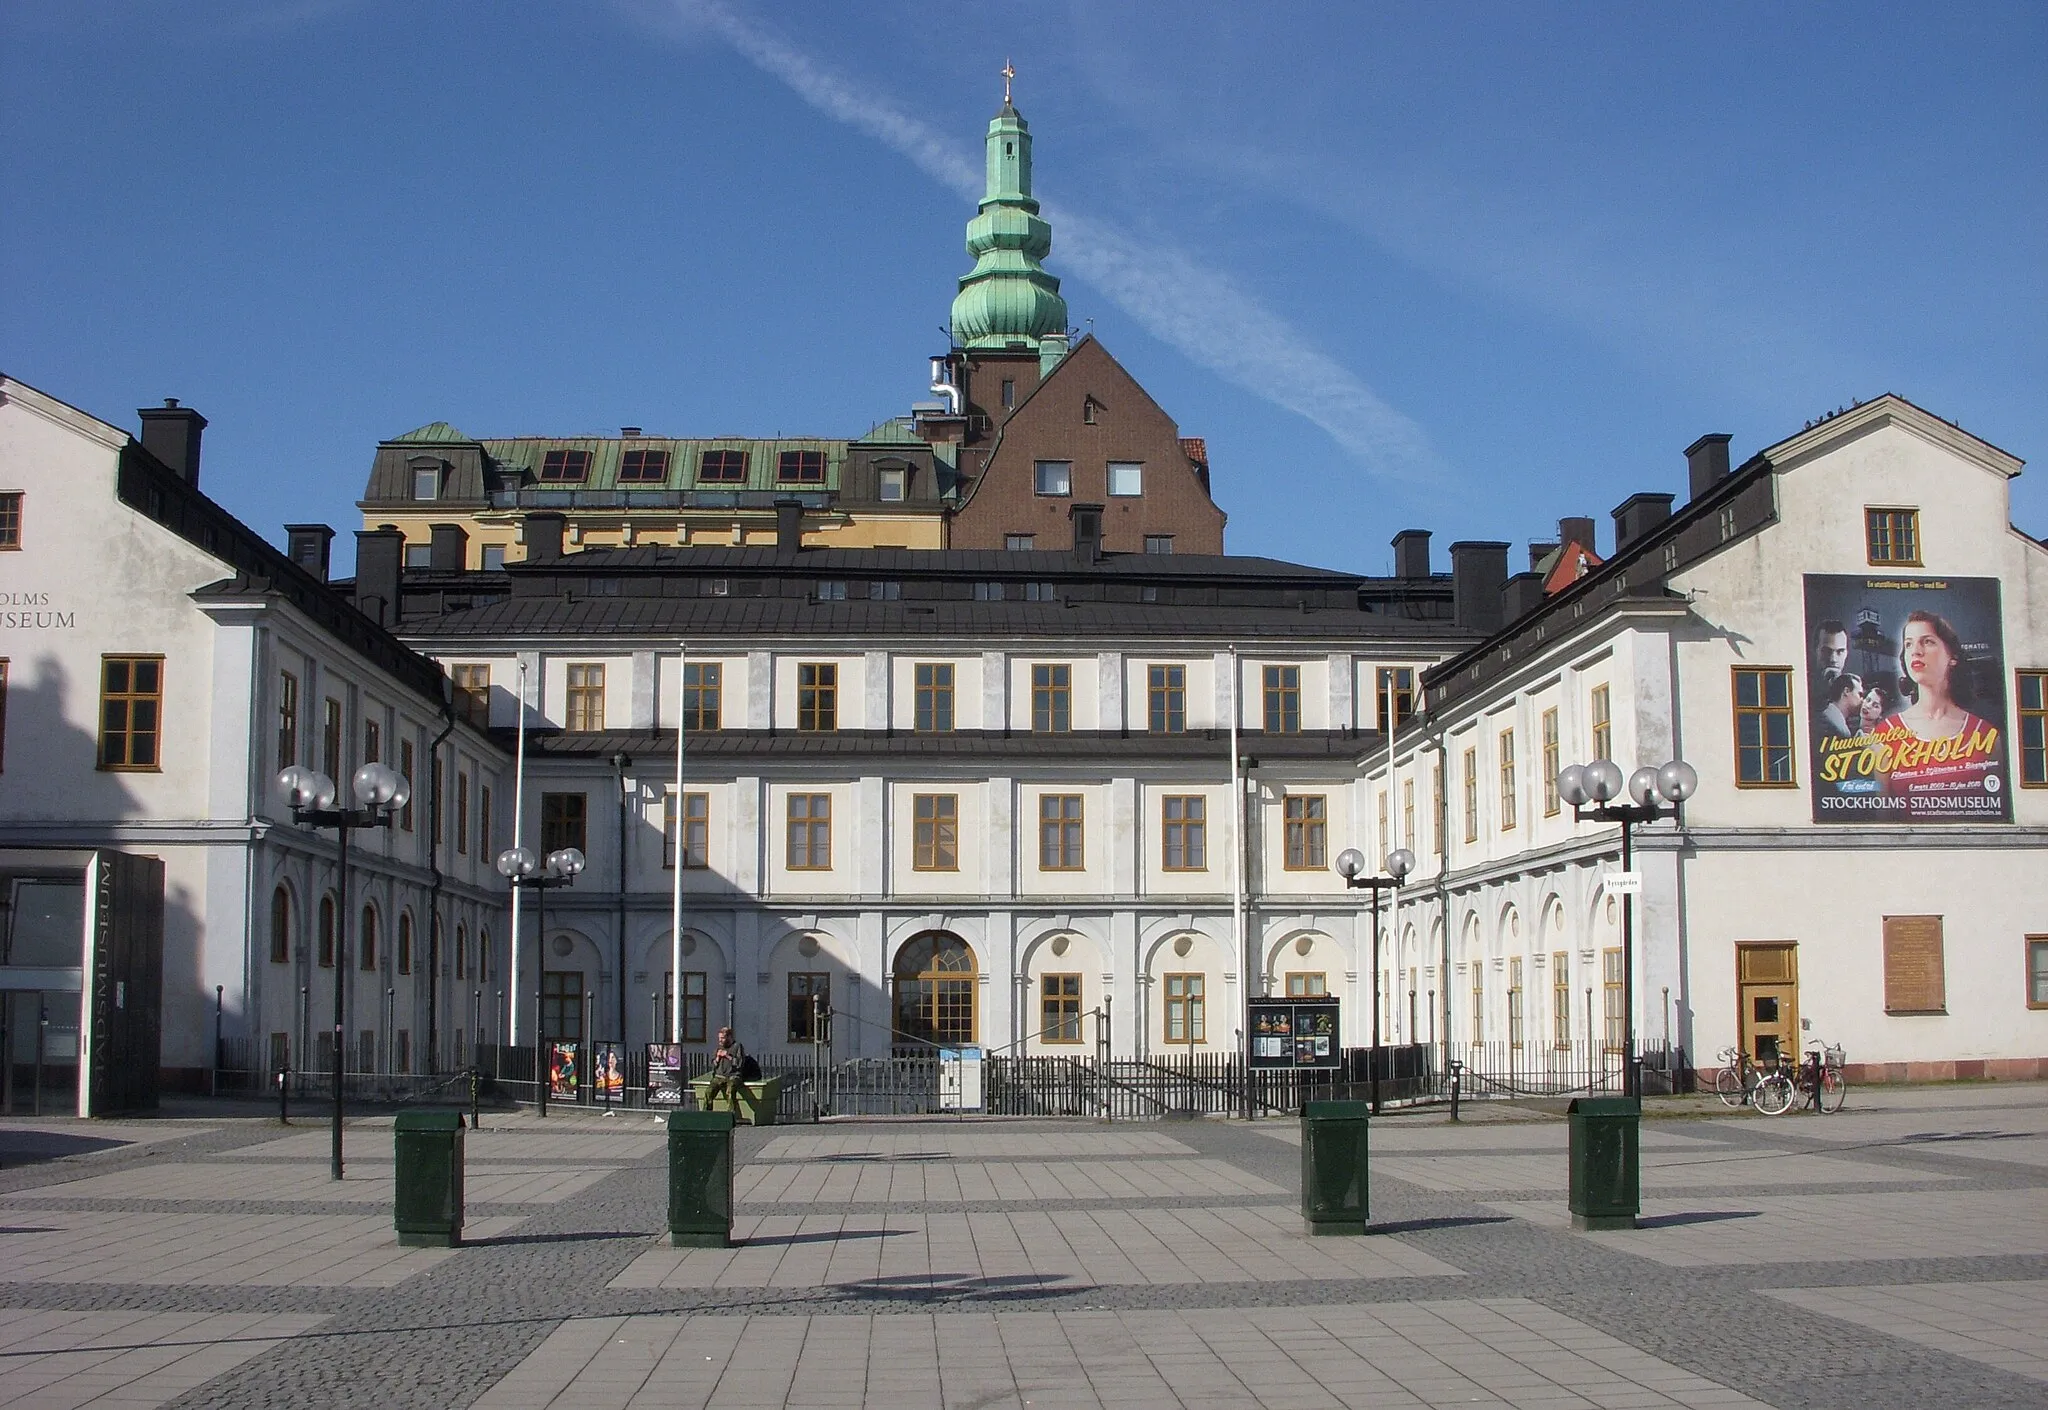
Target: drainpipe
434	886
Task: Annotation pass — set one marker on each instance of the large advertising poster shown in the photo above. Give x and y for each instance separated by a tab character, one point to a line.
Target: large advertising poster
1907	707
665	1080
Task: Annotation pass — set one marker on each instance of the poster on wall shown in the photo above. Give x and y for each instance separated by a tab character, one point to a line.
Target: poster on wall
665	1074
1906	708
562	1070
1294	1033
608	1072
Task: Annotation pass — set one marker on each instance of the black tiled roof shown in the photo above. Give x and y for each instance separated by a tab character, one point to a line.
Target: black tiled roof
983	746
699	618
929	563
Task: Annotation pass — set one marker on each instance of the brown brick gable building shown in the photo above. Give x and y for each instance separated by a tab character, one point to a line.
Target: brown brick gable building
1055	449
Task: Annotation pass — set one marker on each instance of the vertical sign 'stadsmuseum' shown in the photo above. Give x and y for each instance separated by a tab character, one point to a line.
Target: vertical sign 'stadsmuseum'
1906	689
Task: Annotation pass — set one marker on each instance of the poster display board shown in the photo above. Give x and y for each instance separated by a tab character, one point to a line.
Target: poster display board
562	1070
959	1079
1294	1033
665	1084
608	1073
1906	678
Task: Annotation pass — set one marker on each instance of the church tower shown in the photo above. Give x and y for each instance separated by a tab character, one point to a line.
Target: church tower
1007	301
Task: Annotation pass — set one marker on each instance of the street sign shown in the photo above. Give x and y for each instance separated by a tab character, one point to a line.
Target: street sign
1623	883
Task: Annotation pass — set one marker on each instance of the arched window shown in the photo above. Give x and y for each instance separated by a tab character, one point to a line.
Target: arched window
327	932
461	952
366	940
281	926
405	942
935	992
486	962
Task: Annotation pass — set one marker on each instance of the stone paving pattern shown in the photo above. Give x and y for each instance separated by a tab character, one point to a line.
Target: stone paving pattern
1895	1255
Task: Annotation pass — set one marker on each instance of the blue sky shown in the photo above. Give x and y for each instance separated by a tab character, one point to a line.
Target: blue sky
1469	267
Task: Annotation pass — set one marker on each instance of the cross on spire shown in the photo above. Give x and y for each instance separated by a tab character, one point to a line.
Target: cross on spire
1008	74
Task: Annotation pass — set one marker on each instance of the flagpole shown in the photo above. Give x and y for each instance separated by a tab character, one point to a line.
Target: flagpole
675	938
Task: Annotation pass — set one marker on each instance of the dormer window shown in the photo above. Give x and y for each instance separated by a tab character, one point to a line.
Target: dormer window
564	467
640	467
722	467
803	467
892	486
885	592
832	591
426	481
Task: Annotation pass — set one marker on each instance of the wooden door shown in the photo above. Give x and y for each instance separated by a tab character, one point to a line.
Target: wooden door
1767	997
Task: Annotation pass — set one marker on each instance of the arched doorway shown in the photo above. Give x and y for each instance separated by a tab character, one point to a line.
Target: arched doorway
936	979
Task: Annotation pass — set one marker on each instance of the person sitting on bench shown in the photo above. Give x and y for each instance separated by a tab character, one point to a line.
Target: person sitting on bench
728	1071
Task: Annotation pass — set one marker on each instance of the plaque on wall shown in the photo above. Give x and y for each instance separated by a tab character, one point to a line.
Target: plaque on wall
1914	981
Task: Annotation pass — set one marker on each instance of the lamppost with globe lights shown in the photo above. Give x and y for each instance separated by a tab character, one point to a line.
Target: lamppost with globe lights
381	791
1350	863
525	871
1657	792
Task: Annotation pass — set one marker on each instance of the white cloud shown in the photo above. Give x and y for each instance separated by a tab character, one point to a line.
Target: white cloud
1186	304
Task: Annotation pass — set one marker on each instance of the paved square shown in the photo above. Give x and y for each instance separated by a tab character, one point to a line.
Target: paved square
53	1359
1893	1258
977	1181
1999	1324
1079	1248
216	1250
1411	1355
1766	1228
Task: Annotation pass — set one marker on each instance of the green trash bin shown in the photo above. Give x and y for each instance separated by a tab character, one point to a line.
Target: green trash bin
700	1179
427	1161
1333	1161
1606	1167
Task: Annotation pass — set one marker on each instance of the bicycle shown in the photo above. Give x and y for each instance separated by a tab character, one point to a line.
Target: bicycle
1736	1083
1818	1078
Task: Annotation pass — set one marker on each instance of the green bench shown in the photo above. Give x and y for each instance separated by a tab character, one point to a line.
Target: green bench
754	1103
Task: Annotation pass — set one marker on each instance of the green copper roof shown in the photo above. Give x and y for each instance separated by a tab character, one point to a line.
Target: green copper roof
434	431
1008	297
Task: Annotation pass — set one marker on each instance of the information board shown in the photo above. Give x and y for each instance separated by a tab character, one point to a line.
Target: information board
960	1079
1294	1033
665	1074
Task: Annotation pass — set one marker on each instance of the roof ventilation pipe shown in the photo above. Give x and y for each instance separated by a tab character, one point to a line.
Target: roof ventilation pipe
942	383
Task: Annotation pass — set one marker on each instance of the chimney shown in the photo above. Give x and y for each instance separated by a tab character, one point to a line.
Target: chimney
379	556
1578	531
542	535
308	546
1411	553
171	433
1706	463
1052	350
789	525
450	549
1522	595
1540	551
1087	519
629	433
1637	515
1479	570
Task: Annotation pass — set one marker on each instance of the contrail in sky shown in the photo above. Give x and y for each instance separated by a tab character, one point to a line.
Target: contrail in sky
1176	298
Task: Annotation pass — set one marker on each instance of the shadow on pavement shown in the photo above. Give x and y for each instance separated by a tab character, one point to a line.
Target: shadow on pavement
1713	1216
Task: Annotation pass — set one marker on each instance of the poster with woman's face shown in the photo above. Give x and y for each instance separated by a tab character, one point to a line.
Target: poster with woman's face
1905	682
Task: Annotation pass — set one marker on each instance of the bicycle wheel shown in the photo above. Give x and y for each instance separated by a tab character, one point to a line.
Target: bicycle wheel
1728	1087
1774	1094
1833	1090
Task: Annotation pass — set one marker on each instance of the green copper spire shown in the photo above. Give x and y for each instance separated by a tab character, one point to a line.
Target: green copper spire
1008	297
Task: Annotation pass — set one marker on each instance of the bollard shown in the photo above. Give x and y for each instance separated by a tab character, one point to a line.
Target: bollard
427	1163
284	1096
1333	1166
1606	1171
1457	1075
700	1179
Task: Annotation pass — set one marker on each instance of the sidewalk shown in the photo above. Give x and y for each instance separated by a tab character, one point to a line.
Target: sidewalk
1893	1255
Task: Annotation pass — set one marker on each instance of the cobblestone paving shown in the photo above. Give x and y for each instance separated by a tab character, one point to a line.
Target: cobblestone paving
1893	1256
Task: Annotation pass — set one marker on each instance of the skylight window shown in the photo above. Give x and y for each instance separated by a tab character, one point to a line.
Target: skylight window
564	466
641	467
722	467
803	467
